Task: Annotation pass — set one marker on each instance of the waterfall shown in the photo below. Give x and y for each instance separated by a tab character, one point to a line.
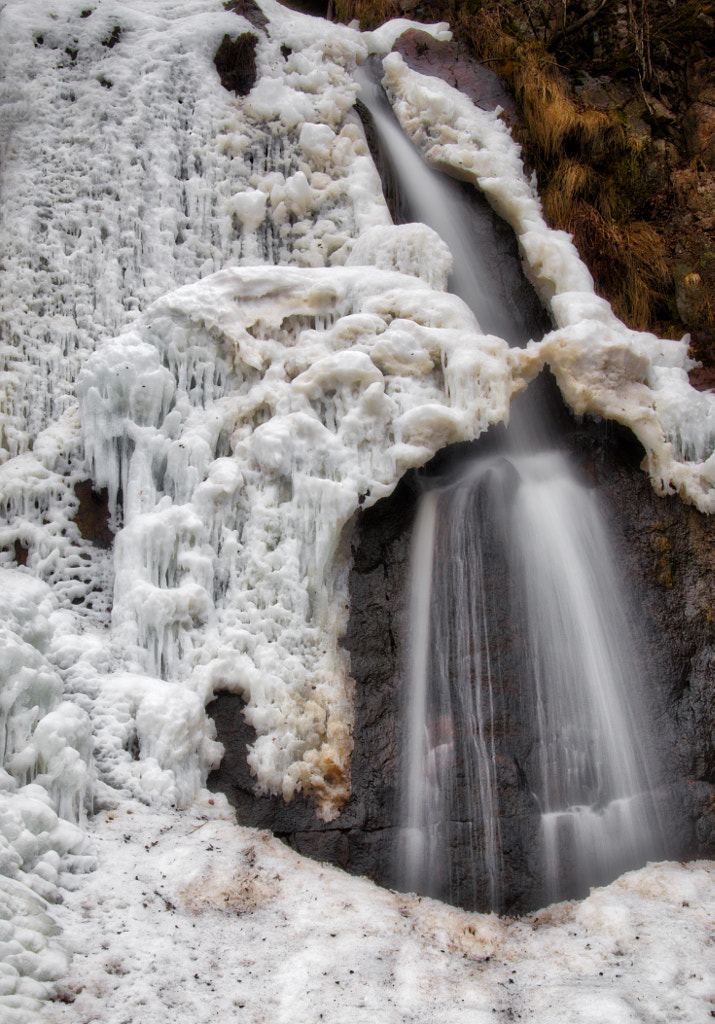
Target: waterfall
429	197
449	724
584	675
578	674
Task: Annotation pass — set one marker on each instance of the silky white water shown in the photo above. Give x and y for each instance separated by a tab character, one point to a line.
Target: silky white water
584	678
578	675
450	710
436	200
521	533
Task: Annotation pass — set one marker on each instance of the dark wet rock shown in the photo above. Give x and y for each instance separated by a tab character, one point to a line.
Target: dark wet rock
92	515
20	551
664	553
249	10
699	131
699	120
113	38
452	62
235	62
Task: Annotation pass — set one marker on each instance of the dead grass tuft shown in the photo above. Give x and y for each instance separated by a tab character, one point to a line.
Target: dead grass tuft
571	183
370	13
626	261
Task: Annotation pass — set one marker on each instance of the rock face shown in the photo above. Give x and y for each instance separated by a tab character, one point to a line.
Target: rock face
451	62
663	552
699	121
235	62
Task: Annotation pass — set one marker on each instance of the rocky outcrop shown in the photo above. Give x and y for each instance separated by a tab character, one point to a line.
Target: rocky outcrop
235	62
452	62
665	551
699	119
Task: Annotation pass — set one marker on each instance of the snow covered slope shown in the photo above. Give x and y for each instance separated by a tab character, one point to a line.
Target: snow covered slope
190	918
205	310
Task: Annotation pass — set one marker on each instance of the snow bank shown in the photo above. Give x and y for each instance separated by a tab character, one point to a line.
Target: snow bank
192	918
44	785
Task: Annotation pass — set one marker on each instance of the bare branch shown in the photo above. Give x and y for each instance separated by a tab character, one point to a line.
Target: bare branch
568	30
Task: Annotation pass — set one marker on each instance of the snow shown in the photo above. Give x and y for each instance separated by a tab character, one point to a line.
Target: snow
234	925
206	310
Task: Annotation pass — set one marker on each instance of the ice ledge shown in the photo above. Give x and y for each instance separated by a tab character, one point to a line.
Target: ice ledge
240	424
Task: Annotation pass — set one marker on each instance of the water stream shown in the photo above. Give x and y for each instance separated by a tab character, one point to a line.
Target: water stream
515	531
501	304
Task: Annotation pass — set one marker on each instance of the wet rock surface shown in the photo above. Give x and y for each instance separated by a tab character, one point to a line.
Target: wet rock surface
235	62
92	516
451	61
249	10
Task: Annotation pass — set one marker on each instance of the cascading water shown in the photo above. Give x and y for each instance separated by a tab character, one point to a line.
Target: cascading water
523	522
432	198
449	732
583	676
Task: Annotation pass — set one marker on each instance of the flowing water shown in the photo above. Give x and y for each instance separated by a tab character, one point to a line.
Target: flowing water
521	527
429	197
584	676
449	780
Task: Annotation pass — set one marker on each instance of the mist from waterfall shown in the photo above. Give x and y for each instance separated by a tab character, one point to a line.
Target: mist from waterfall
578	677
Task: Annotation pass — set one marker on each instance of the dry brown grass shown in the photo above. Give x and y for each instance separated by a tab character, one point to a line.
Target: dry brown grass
587	167
572	182
370	13
626	261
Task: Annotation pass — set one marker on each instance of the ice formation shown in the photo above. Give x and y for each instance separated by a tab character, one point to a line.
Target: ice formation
244	419
206	311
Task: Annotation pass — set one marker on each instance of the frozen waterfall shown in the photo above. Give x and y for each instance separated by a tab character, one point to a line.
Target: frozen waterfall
217	352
